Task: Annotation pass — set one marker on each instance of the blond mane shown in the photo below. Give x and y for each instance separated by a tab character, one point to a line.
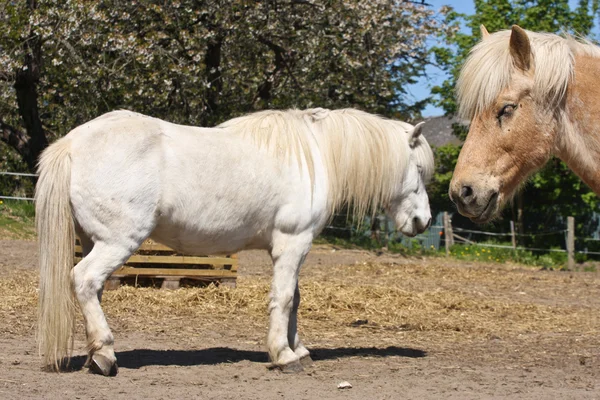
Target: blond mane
365	155
489	68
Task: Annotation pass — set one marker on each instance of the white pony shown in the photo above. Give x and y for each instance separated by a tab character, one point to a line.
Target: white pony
270	180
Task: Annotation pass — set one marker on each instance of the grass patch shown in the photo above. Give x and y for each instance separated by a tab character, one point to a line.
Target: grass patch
17	220
481	252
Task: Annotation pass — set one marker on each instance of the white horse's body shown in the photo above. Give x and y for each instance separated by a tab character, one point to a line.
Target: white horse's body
270	181
208	192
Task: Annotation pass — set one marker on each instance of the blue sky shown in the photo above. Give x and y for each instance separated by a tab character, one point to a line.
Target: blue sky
434	77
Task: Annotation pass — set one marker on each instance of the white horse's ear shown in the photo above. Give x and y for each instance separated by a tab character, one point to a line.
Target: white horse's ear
520	48
484	32
319	113
417	131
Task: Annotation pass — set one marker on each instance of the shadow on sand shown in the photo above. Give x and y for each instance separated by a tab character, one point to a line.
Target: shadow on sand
221	355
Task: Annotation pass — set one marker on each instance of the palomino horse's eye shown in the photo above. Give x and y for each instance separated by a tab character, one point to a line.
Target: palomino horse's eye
507	110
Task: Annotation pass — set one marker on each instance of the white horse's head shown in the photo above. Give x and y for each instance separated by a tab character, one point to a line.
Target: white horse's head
409	206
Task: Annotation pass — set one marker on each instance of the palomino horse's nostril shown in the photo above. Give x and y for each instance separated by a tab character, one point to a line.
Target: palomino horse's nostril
466	193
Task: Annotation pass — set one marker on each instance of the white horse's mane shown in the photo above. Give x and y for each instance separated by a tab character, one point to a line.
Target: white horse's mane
489	68
365	155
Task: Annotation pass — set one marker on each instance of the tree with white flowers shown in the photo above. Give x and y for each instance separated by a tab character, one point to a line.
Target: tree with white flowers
201	62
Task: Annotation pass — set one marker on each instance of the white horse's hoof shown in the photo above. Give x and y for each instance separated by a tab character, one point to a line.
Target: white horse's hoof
291	368
306	361
103	366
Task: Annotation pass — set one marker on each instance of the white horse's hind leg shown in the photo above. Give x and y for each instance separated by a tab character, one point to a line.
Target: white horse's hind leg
89	276
86	247
288	254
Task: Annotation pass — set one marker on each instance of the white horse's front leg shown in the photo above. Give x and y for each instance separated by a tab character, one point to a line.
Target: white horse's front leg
288	254
293	337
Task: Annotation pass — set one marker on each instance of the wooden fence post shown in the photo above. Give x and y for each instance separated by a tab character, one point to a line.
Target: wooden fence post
570	243
450	230
512	235
448	236
386	232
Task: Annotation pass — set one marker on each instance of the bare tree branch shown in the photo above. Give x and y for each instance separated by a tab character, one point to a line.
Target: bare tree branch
280	59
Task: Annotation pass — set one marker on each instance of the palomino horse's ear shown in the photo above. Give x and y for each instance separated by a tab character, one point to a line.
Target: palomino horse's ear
417	131
520	48
484	32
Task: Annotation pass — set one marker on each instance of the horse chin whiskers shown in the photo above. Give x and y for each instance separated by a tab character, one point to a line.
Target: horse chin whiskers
411	233
408	228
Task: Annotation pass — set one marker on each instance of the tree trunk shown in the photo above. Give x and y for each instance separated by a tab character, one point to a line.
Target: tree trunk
30	144
26	88
212	60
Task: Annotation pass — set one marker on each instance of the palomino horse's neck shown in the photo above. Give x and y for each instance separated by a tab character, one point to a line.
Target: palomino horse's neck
578	145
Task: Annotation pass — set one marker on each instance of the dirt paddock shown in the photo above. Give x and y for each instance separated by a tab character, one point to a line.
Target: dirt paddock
391	326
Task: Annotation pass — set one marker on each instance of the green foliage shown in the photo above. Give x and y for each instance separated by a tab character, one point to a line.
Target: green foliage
10	185
445	161
552	194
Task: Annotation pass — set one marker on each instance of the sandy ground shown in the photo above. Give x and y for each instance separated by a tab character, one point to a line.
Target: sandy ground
224	358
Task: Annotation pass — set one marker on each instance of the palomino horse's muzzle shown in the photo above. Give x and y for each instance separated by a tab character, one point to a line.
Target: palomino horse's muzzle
478	203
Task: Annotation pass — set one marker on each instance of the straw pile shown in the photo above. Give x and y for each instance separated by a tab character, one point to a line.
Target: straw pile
438	301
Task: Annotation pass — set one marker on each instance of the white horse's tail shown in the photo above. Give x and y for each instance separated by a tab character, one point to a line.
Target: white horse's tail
56	238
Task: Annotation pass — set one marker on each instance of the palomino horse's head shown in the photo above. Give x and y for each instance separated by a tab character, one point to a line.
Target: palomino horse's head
512	129
409	207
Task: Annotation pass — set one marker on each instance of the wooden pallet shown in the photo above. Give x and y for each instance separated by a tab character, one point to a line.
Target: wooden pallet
155	264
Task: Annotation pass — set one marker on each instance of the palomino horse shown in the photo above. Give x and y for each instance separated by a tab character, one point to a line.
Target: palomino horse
528	96
270	180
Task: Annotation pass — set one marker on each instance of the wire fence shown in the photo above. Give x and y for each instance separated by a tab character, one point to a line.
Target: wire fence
18	174
510	234
540	249
503	246
435	236
452	236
